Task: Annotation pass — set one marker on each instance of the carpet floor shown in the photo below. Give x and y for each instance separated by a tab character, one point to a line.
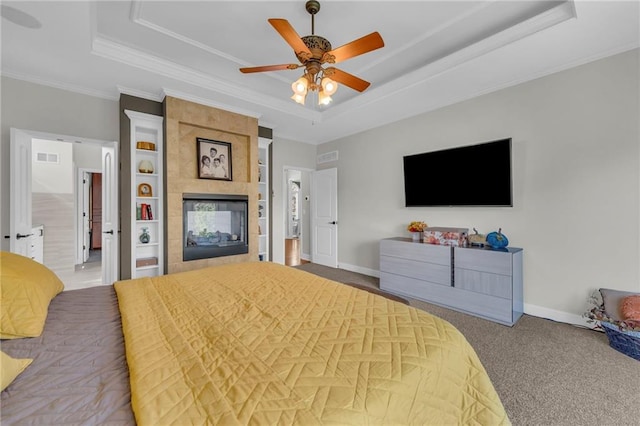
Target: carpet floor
546	373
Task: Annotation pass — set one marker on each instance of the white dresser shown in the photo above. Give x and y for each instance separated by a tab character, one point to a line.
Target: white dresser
479	281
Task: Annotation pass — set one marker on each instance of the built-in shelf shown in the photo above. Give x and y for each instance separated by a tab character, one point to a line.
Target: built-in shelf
264	199
147	128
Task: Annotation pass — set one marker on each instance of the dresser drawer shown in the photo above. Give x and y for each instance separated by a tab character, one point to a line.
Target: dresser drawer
421	252
483	283
417	289
425	271
491	261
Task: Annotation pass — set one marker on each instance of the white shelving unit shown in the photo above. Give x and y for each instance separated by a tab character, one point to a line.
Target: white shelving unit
147	259
263	198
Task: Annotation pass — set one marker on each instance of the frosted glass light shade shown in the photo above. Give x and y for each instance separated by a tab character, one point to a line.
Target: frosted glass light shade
300	86
298	98
329	86
323	98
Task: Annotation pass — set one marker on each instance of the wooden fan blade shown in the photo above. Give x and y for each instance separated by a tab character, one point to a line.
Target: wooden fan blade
290	35
349	80
270	68
357	47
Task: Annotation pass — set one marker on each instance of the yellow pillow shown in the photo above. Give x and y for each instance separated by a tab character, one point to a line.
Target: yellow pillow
10	368
26	288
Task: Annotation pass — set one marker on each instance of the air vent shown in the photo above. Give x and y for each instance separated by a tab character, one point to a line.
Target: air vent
327	157
47	157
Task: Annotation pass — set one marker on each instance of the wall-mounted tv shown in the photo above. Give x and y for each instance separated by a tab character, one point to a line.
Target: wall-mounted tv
475	175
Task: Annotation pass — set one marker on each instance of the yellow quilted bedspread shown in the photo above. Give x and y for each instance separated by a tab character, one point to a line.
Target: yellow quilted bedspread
260	343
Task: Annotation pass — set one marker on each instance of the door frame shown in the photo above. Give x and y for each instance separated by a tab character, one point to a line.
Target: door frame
21	205
285	205
80	206
20	215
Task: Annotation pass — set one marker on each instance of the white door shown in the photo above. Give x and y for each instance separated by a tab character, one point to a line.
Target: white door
324	218
86	230
110	223
20	192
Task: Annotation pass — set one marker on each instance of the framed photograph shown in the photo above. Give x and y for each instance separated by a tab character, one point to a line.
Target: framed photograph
214	159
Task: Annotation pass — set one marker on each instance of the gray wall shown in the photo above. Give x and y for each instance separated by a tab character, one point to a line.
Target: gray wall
290	154
576	181
31	106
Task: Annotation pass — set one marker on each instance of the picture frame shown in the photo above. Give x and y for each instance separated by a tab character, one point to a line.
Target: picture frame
214	159
145	190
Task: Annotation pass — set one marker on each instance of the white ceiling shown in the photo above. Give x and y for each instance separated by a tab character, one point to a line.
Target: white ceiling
436	52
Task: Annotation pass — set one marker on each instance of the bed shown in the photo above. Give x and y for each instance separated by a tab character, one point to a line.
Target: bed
245	343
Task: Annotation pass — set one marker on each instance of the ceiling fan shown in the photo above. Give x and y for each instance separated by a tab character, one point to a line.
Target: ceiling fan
313	52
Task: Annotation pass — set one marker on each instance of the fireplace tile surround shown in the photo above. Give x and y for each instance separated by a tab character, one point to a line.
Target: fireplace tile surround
185	121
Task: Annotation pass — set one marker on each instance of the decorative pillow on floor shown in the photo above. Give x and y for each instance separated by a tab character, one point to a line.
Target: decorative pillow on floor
630	308
26	288
10	368
613	300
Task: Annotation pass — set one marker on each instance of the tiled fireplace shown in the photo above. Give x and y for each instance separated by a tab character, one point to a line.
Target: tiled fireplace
214	225
185	123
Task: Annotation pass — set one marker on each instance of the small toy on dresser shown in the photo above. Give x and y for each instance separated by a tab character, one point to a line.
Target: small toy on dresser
476	239
497	239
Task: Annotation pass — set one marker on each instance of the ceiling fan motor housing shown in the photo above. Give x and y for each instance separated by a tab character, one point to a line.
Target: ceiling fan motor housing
312	6
317	45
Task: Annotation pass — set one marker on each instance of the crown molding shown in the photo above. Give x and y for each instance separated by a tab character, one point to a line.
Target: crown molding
417	77
62	86
140	94
136	18
411	44
117	52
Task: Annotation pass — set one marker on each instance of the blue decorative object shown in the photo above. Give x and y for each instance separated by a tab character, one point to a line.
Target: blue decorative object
497	239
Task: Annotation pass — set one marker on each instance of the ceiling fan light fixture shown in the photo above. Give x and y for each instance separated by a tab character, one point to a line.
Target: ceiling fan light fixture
300	86
313	51
324	98
329	86
299	98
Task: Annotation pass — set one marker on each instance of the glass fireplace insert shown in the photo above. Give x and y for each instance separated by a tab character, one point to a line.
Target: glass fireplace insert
214	225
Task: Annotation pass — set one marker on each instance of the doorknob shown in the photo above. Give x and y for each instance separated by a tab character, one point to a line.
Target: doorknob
18	236
108	232
333	223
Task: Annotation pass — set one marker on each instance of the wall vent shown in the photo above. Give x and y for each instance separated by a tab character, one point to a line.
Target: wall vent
327	157
47	157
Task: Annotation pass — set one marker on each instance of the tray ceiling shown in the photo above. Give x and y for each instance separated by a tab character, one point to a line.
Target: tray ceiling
436	52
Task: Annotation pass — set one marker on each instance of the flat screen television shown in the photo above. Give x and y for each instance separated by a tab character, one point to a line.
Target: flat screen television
474	175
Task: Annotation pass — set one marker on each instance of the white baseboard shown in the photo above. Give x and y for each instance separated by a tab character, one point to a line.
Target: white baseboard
529	309
359	269
554	315
305	256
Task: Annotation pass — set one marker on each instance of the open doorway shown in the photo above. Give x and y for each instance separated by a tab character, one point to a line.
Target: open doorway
89	223
48	173
297	222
